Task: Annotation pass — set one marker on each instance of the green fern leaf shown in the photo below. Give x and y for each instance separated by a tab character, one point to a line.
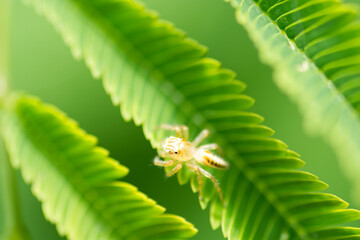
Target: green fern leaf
315	51
76	181
159	76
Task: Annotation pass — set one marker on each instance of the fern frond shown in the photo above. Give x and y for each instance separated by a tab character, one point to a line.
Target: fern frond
158	76
76	181
315	51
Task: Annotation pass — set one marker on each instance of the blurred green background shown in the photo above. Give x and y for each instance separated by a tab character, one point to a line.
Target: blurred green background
42	65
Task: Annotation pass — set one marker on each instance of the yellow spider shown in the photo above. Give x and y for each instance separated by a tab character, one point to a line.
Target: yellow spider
178	150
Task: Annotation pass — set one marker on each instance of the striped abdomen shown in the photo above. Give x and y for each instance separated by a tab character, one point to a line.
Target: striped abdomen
209	159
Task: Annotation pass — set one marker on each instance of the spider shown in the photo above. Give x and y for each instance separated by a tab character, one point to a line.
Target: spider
178	150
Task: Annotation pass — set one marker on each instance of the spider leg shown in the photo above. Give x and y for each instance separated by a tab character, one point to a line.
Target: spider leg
161	153
162	163
199	177
200	172
182	131
175	170
201	137
215	182
213	146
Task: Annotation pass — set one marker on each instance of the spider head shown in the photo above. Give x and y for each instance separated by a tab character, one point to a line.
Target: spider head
174	148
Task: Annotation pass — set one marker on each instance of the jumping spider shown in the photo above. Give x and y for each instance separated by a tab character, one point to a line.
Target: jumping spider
178	150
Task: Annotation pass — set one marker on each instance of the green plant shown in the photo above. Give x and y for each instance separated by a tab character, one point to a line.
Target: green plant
314	49
157	75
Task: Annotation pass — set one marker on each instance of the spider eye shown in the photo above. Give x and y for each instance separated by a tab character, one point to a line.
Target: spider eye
176	152
169	151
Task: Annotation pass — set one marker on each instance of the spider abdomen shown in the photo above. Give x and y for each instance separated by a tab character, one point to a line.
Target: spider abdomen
209	159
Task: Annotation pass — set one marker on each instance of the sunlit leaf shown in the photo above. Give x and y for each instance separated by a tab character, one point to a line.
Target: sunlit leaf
314	47
77	182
